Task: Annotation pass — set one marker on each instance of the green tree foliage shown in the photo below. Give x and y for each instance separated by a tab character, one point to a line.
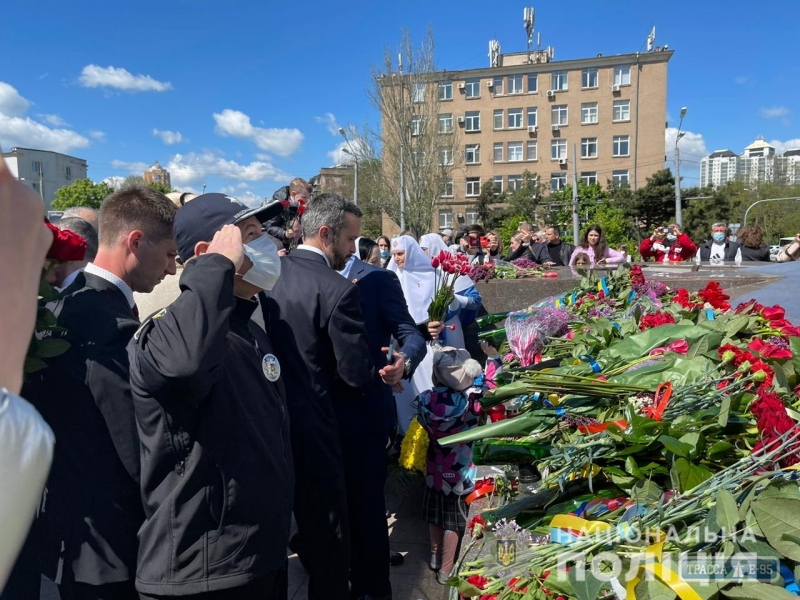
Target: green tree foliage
486	206
525	200
509	227
81	192
651	205
163	188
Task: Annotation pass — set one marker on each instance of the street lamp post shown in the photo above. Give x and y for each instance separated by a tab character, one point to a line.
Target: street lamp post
678	207
352	153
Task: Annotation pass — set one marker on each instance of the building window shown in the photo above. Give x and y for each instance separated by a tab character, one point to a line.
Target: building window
418	92
497	181
35	186
36	166
558	149
515	118
588	113
532	151
447	187
473	186
622	110
497	86
498	118
445	156
589	177
532	120
620	176
515	84
558	81
416	125
445	90
514	151
472	120
589	147
445	218
514	183
419	157
497	154
621	145
559	114
473	154
589	78
446	123
533	83
622	75
471	216
472	88
558	181
68	173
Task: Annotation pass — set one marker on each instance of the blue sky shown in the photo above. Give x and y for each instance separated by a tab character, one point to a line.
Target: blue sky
243	95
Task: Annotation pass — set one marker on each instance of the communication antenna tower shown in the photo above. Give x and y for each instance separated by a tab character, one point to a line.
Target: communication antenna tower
530	17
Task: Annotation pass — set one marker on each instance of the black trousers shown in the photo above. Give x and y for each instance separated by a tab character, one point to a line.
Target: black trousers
365	473
272	586
74	590
323	530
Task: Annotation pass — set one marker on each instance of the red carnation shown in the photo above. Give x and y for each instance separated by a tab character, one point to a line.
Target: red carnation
637	276
478	581
67	246
656	320
773	422
714	295
285	203
682	298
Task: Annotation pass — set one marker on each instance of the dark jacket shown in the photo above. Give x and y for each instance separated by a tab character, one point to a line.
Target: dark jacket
755	254
217	476
521	252
276	226
541	253
93	504
385	316
316	314
730	251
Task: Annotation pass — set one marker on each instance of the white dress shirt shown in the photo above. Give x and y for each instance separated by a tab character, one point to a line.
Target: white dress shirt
316	250
103	274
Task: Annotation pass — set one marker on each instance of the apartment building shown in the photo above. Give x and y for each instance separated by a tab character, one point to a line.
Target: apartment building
758	163
529	112
44	171
157	174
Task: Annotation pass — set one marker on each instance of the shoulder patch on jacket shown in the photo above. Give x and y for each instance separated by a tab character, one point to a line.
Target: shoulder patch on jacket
148	322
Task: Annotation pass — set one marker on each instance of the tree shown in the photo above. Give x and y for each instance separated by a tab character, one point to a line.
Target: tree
81	192
161	187
139	180
484	206
413	141
653	204
526	199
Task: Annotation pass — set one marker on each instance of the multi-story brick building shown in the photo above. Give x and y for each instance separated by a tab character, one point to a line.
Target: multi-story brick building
157	174
528	112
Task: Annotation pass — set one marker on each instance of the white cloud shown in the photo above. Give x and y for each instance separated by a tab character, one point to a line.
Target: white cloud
170	137
11	103
329	120
55	120
741	79
774	111
136	168
338	155
115	181
233	123
194	169
100	136
781	147
693	146
249	198
93	76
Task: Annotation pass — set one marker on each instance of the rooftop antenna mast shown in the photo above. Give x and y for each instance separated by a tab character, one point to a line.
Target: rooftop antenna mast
651	39
530	17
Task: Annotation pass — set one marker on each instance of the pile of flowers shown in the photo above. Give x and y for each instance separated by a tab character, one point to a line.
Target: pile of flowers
520	268
668	416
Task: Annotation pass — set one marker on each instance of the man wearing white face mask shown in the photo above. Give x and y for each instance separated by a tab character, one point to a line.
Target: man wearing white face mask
217	476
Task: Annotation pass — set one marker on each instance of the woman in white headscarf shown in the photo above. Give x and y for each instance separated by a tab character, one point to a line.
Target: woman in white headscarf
433	244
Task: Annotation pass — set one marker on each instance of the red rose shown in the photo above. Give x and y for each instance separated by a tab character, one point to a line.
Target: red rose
655	320
791	330
478	581
773	313
67	246
682	298
768	350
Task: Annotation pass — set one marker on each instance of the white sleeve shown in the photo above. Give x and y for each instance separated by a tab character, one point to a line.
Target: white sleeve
26	451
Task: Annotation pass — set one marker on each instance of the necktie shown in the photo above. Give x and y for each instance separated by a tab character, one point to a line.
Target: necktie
135	311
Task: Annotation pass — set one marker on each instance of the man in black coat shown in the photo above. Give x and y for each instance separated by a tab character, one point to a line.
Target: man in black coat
295	195
315	317
366	418
93	506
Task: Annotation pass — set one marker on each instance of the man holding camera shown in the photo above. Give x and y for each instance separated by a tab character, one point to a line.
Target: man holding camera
791	251
668	244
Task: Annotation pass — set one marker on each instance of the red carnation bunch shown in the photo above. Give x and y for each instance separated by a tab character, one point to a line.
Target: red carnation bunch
656	320
682	298
637	276
476	526
714	295
746	362
773	422
67	246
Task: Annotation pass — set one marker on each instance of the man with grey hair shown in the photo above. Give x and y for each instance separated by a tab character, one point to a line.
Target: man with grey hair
316	314
719	248
63	274
89	215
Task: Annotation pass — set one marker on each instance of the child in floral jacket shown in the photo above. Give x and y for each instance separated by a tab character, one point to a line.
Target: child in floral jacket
449	408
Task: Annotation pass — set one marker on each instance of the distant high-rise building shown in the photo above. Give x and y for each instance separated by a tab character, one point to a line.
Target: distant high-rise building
757	164
44	171
157	174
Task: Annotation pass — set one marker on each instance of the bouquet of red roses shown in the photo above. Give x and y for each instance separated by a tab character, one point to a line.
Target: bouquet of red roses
449	268
293	209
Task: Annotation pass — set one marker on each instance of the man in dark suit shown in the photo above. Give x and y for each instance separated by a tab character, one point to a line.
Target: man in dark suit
366	418
93	506
314	317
